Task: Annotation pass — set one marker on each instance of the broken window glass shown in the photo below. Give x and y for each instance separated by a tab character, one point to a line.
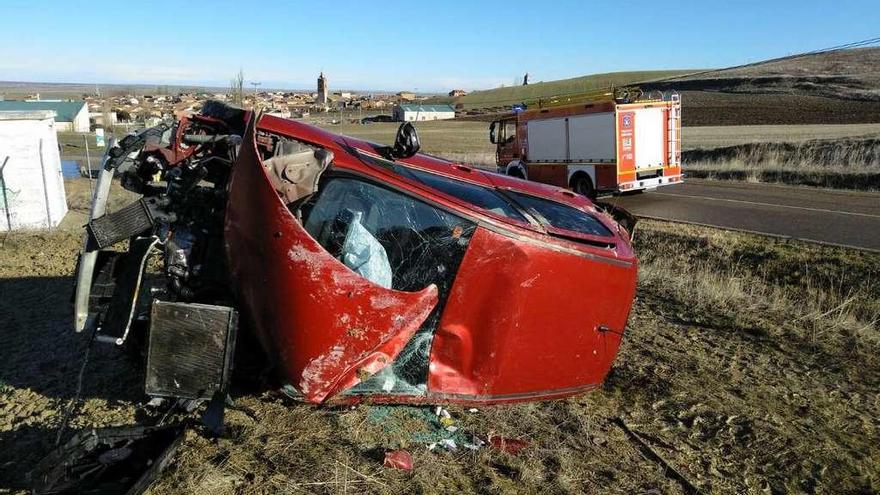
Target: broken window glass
480	196
560	216
418	244
416	238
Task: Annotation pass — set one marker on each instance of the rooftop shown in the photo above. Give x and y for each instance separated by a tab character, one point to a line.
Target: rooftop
65	110
26	115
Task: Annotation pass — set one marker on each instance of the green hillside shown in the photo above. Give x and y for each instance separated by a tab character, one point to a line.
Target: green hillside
515	94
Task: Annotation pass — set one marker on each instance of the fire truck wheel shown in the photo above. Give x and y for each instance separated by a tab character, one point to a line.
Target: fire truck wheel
583	185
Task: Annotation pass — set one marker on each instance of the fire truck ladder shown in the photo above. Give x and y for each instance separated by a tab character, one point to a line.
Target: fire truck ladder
674	134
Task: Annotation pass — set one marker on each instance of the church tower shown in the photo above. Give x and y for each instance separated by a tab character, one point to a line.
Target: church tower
322	98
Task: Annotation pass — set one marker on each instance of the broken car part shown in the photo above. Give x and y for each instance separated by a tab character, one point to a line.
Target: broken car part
190	349
117	460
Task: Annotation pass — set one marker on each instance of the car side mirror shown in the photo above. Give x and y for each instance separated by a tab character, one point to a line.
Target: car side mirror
492	137
406	143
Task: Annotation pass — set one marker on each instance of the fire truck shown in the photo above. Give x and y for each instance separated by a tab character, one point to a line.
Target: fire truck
618	144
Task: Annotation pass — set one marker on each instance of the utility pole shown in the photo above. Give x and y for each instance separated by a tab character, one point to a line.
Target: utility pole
45	188
5	199
88	165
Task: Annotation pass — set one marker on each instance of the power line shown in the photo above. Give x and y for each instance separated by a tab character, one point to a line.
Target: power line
855	44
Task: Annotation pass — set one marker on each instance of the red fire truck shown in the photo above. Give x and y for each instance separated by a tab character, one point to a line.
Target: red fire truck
615	145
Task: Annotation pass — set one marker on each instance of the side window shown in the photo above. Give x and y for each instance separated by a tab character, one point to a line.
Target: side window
388	237
561	216
509	133
479	196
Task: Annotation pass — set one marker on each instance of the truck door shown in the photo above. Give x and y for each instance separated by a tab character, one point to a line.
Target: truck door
503	134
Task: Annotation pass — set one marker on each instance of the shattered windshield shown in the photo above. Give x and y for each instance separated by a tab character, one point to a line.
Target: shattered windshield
388	237
560	216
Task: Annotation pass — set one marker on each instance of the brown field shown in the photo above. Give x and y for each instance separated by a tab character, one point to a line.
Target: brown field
750	365
714	108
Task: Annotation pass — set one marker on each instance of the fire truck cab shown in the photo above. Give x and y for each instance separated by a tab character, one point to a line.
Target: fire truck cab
593	147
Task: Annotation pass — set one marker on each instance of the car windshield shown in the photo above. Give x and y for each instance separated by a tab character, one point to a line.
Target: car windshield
560	216
480	196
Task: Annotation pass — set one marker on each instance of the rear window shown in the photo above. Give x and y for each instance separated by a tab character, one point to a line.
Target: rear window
477	195
561	216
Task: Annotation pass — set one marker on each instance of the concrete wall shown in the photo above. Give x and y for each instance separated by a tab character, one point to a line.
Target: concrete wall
81	121
34	188
64	126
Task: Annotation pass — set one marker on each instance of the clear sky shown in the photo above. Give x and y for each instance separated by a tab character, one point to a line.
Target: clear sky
414	45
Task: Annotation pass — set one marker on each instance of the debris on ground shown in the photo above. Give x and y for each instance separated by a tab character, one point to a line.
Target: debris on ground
398	459
510	445
123	459
409	425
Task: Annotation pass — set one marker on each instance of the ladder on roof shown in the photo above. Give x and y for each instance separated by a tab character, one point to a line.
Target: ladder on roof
622	94
674	131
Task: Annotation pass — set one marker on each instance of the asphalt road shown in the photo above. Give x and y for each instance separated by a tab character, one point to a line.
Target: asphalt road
847	218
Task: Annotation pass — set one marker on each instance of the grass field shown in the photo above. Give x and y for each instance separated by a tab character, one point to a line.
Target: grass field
719	136
837	156
515	94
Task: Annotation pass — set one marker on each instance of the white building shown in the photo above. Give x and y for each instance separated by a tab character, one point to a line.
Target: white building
31	185
97	118
69	115
411	113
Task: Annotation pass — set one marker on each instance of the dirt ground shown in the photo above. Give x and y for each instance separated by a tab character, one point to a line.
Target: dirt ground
750	365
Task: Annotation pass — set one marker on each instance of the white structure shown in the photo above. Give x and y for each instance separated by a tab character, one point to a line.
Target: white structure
69	115
32	189
411	113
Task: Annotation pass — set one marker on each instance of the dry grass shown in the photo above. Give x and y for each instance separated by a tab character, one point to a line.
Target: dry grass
833	307
846	163
857	155
748	366
707	137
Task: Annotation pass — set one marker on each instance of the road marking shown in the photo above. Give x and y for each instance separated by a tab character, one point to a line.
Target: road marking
788	187
759	232
756	203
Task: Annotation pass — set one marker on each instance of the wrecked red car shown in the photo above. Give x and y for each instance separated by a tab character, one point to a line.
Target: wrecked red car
366	272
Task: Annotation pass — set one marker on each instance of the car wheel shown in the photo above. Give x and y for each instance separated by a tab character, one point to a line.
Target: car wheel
584	186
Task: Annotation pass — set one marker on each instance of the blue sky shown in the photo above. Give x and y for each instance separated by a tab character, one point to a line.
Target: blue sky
397	45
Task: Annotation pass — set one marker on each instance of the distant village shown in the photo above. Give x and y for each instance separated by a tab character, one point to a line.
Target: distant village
97	110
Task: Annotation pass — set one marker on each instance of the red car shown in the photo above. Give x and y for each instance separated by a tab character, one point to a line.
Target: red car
370	272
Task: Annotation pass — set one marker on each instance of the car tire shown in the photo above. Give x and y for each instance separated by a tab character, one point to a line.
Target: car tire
582	185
